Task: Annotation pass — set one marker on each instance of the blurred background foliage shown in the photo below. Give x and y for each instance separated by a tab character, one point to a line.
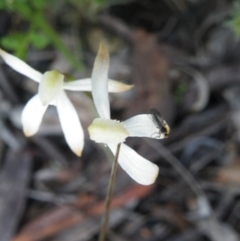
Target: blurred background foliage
234	22
183	56
39	32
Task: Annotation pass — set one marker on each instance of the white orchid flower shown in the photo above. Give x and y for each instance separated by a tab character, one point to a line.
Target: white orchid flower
51	92
112	132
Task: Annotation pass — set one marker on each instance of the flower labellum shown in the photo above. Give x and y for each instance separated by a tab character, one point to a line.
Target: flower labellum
107	131
50	86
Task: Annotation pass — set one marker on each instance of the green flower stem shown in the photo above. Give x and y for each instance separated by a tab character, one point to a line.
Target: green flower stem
104	223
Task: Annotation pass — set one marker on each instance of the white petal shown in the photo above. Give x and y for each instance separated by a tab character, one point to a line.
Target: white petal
143	126
50	86
32	115
115	86
70	123
20	66
100	83
107	131
86	85
79	85
137	167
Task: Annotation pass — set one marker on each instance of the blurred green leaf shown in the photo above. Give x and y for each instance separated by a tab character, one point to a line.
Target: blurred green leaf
33	12
180	92
13	41
39	40
3	4
234	22
38	4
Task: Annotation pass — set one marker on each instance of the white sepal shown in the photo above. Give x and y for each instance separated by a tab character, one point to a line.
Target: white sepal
100	83
107	131
137	167
32	115
20	66
50	86
70	123
115	86
78	85
86	85
142	126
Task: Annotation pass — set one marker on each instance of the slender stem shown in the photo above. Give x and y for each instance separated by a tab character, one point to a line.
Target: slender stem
105	218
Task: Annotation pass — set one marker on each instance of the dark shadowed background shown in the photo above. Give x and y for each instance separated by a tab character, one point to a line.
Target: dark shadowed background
183	56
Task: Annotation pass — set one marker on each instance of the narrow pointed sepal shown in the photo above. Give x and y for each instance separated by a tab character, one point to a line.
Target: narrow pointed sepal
144	126
32	115
70	123
100	83
115	86
138	168
86	85
20	66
